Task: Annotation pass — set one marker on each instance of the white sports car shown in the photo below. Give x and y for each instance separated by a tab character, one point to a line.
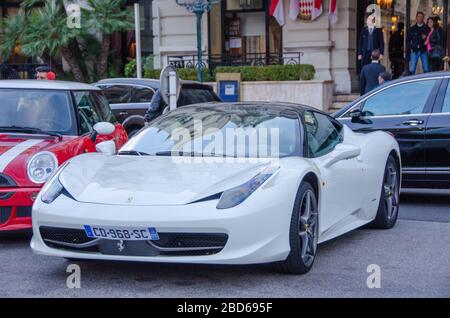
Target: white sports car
222	184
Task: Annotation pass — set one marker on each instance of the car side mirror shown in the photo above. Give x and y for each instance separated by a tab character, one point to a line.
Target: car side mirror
106	147
356	114
342	152
102	129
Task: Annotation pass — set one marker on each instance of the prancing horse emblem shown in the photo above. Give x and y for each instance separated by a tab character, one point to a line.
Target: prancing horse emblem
121	245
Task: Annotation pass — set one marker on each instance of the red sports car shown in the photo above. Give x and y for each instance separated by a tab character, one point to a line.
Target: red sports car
43	124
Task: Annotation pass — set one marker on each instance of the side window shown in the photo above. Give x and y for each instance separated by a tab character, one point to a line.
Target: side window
404	99
117	94
322	134
142	95
102	105
446	105
190	96
87	112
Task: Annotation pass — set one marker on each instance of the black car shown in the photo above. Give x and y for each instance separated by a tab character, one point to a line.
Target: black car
133	100
416	110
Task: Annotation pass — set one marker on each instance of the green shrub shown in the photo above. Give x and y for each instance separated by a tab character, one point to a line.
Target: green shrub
187	74
304	72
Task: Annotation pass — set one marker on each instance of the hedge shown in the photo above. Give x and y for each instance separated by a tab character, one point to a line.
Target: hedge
303	72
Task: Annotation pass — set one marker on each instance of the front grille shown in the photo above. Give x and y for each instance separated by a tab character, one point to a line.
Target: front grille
193	240
170	244
5	213
70	236
23	212
6	181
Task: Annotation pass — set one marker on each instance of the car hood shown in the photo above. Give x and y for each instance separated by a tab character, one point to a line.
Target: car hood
17	149
150	181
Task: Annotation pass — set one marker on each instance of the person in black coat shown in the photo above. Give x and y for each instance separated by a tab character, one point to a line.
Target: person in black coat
415	44
371	38
433	43
371	72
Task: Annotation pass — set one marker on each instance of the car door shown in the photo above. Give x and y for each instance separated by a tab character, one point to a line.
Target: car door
341	180
119	98
402	109
437	140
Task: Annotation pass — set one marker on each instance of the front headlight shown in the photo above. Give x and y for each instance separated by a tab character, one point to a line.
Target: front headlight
53	188
52	191
42	166
233	197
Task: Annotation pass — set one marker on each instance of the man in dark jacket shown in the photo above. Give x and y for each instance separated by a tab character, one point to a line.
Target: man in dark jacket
371	38
415	44
371	72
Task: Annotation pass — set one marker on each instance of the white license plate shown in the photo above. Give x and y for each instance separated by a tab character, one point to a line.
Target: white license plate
126	234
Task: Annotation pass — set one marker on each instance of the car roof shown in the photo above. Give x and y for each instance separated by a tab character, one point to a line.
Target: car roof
152	83
424	76
267	105
51	85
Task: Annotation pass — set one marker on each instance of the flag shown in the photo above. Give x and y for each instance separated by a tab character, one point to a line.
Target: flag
294	9
333	12
277	11
317	9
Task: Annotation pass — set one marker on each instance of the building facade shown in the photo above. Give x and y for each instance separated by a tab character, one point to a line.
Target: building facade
242	31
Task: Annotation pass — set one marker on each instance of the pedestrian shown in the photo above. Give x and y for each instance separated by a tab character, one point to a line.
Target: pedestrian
45	73
371	38
434	48
415	43
384	77
371	72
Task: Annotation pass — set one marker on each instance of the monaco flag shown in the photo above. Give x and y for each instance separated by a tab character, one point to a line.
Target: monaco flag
294	9
333	12
277	11
317	9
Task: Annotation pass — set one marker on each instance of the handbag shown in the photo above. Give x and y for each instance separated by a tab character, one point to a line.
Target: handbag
436	52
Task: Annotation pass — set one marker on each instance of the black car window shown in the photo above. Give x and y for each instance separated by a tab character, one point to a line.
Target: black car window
117	94
446	105
190	96
89	115
102	105
322	134
142	95
404	99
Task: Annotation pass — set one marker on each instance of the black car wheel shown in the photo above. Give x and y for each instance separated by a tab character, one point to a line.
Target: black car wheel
387	213
304	233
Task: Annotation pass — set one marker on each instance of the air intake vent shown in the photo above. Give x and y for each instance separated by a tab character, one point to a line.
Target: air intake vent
6	181
5	213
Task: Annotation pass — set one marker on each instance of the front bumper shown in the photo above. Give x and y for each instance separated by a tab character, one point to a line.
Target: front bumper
256	232
15	208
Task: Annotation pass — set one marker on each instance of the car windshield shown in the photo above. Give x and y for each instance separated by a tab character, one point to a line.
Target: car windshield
36	110
220	131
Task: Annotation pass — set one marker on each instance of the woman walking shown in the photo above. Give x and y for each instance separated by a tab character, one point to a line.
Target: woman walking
434	48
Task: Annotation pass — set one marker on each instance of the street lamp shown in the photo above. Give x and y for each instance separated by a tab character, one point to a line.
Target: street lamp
198	7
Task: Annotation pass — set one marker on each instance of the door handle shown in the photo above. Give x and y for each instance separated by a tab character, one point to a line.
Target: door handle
413	122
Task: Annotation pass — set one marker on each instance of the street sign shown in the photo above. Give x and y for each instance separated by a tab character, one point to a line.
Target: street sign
170	86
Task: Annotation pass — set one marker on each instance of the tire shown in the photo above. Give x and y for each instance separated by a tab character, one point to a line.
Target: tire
387	213
303	233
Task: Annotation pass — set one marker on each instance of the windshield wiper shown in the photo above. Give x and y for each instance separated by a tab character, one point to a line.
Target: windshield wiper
132	153
31	130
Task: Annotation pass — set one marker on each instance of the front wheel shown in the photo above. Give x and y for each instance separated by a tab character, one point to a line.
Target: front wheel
387	213
303	234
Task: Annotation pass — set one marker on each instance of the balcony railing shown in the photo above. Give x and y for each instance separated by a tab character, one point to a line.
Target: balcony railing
250	59
18	71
